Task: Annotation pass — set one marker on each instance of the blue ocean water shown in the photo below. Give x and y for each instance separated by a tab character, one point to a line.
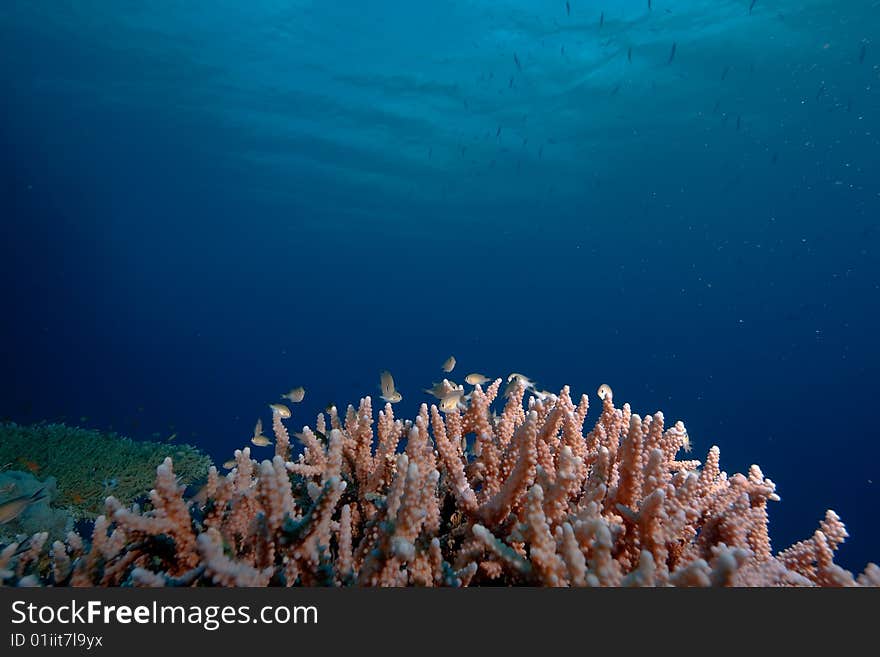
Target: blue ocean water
206	204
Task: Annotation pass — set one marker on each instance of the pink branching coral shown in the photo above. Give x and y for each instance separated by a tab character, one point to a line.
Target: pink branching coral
525	497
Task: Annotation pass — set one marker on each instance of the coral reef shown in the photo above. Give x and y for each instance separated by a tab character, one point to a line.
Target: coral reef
89	465
522	498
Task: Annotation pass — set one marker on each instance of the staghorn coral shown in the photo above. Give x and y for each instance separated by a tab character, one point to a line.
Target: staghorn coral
83	461
524	498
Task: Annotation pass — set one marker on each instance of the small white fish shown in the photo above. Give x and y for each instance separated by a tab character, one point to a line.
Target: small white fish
296	395
476	379
281	410
261	441
228	465
258	428
515	380
528	383
451	401
605	392
449	404
448	364
386	383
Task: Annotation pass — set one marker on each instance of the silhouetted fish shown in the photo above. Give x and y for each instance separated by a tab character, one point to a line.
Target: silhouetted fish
752	6
724	73
649	5
516	61
863	52
672	53
567	9
738	122
601	20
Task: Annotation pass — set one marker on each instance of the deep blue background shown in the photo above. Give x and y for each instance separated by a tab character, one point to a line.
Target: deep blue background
205	204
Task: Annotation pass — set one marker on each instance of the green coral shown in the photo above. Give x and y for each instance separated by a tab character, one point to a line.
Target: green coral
89	465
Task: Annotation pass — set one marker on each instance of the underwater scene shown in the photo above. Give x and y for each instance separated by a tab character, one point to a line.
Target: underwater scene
462	293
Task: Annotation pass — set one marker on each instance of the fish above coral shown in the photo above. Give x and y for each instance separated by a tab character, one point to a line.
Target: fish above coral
465	497
258	438
296	395
386	385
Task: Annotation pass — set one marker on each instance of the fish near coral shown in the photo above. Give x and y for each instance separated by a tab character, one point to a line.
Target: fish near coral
516	379
386	384
261	441
451	401
516	376
11	509
281	410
